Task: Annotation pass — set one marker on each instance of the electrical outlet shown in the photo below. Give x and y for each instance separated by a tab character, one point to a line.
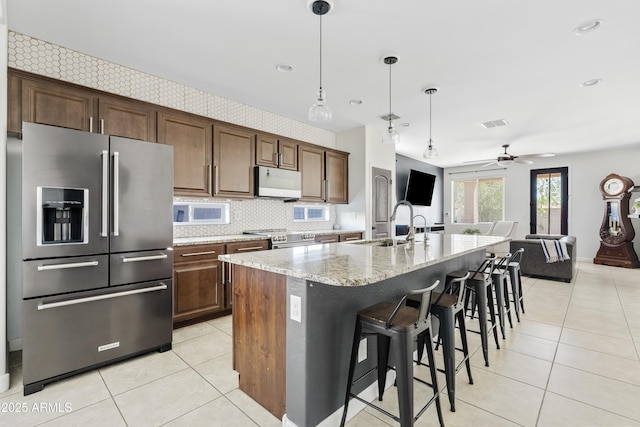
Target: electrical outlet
362	350
296	308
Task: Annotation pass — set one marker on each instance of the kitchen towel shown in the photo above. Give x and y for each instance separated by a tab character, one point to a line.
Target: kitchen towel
554	250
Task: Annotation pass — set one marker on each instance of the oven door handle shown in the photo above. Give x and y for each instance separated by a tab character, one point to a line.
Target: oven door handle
160	287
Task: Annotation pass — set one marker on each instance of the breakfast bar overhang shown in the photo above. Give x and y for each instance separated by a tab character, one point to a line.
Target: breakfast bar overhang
294	313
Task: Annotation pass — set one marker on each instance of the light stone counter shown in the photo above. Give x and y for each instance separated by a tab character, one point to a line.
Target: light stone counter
186	241
361	263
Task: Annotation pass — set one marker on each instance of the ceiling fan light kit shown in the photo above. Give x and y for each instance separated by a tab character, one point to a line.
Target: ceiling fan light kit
390	136
430	152
320	111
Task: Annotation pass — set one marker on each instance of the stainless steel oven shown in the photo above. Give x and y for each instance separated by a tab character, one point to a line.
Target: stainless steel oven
280	238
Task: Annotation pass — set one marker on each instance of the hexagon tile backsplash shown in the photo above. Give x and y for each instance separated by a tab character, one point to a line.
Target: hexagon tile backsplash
41	57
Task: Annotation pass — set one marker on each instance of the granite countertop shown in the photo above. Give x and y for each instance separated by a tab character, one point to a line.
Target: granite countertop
364	262
186	241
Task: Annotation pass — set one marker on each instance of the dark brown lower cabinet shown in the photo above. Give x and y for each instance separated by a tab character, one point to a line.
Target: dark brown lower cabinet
259	336
197	282
239	248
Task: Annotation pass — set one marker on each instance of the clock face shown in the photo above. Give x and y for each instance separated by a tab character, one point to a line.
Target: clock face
613	186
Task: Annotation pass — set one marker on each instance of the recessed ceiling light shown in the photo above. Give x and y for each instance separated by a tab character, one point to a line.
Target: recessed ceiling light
591	82
588	26
356	102
284	68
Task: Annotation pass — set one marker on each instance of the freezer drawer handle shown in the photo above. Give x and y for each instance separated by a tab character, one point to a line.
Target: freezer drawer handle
145	258
70	265
160	287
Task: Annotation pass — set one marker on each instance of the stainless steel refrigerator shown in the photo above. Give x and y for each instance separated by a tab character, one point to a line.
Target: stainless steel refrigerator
96	243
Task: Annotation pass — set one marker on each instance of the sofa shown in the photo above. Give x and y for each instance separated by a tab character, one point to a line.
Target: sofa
534	263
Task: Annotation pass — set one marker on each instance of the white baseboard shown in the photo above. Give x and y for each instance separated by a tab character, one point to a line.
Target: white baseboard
5	382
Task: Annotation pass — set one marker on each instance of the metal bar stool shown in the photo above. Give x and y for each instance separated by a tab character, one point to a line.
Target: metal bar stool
499	277
516	279
480	285
397	326
448	307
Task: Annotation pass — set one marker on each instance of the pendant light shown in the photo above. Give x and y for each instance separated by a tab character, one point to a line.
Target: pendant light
319	111
390	136
430	152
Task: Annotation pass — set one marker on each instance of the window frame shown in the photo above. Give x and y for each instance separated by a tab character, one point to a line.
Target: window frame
476	209
326	214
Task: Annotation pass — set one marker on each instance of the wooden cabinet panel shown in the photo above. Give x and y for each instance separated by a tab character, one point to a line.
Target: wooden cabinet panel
238	248
328	238
281	153
311	162
266	151
14	105
126	119
233	161
347	237
337	176
197	281
192	148
288	151
57	105
259	336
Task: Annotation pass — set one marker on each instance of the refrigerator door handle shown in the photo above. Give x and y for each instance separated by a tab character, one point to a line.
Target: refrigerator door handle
145	258
116	193
160	287
104	232
69	265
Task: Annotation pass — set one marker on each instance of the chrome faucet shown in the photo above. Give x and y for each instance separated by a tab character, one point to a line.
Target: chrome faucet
425	226
411	234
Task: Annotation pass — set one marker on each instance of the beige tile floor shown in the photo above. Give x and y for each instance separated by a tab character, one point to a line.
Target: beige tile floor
573	360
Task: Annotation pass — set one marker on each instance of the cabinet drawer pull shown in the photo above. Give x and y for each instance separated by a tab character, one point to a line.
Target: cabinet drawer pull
199	253
352	238
145	258
252	248
329	241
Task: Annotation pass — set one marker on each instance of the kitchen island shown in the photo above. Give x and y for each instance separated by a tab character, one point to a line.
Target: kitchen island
294	314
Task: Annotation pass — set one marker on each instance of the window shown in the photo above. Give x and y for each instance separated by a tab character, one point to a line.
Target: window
478	200
549	201
201	213
310	213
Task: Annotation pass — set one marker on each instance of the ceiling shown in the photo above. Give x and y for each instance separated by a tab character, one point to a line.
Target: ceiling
494	59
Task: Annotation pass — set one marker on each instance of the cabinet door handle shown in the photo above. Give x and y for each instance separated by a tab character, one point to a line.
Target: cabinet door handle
224	267
217	183
252	248
209	178
90	124
199	253
102	126
231	273
274	159
281	161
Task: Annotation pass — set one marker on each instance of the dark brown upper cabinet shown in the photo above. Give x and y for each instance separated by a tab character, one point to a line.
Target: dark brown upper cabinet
276	152
233	162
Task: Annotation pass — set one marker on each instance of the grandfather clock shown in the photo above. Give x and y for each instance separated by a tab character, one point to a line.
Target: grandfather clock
616	231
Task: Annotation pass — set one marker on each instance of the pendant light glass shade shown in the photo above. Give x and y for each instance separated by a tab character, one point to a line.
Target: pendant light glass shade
430	152
320	111
390	136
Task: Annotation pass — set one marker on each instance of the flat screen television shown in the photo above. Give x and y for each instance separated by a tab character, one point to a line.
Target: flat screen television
419	189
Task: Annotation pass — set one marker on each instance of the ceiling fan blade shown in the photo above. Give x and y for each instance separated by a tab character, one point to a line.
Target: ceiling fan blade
519	159
478	161
492	162
537	155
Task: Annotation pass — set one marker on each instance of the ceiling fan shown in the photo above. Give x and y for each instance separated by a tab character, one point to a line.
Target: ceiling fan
506	159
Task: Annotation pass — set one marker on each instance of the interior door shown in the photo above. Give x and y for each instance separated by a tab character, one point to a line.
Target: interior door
142	195
381	199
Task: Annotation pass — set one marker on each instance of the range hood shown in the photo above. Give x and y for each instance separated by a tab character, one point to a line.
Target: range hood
278	183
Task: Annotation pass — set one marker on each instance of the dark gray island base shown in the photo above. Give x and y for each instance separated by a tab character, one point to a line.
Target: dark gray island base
329	283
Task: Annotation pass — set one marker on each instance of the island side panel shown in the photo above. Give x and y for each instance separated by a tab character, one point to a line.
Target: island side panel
259	336
319	347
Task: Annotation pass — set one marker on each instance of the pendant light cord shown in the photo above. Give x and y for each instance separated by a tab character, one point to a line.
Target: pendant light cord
430	121
320	53
390	94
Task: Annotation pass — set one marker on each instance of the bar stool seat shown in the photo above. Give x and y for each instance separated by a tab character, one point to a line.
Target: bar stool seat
397	327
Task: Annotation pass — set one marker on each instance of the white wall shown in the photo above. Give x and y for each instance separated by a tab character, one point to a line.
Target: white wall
586	207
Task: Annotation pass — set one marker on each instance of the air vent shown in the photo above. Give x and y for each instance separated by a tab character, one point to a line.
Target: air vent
494	123
388	117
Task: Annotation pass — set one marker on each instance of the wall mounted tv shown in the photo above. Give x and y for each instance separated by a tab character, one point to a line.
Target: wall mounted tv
419	190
